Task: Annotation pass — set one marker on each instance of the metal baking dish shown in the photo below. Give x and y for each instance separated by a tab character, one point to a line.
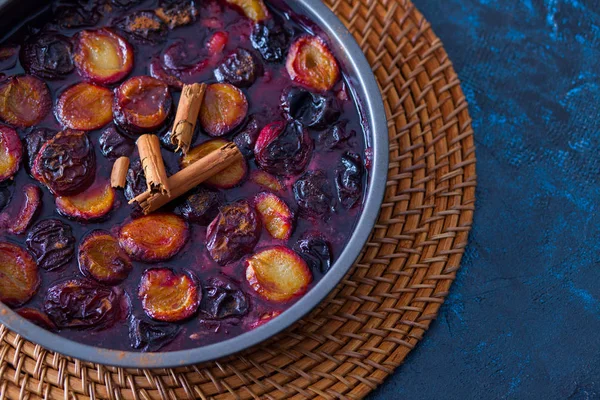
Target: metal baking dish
368	97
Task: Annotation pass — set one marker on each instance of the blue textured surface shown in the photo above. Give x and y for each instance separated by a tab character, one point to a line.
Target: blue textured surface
523	318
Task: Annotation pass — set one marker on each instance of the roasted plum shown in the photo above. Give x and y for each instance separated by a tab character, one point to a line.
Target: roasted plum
316	251
135	181
8	56
90	205
256	10
101	258
314	195
19	277
335	136
83	304
183	57
230	177
276	216
158	71
167	296
66	164
85	106
246	139
176	13
125	3
71	14
314	110
222	298
24	101
283	148
263	319
278	274
34	140
103	57
11	153
223	109
310	63
348	179
240	68
233	233
143	26
37	317
151	336
142	104
114	145
266	180
217	43
271	39
48	55
202	205
52	243
24	207
155	237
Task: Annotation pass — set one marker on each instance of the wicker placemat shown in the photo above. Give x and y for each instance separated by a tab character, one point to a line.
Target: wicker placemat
365	329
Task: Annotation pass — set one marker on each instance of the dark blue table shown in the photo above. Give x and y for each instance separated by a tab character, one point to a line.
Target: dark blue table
523	318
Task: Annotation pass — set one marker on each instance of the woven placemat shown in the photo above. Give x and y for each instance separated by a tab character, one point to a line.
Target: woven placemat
367	326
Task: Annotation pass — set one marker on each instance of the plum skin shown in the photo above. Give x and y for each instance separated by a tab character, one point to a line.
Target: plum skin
48	56
25	278
52	243
11	152
283	148
17	221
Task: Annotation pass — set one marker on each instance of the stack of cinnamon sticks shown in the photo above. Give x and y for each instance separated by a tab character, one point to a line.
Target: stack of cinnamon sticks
162	189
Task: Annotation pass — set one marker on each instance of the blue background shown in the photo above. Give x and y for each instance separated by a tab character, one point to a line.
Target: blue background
523	317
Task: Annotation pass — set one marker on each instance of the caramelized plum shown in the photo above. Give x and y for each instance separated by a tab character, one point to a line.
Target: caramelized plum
183	57
256	10
266	180
315	250
202	205
335	136
136	181
348	179
19	277
66	164
16	219
114	145
8	56
101	258
52	243
310	63
233	233
310	109
85	106
76	14
102	56
34	140
90	205
177	12
216	43
142	104
246	139
83	304
48	55
157	71
226	179
223	109
283	148
143	26
276	216
266	317
240	68
151	336
24	101
37	317
271	39
11	153
222	298
313	194
167	296
125	3
155	237
278	274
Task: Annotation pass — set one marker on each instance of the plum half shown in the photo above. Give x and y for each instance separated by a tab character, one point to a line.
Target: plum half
310	63
11	152
24	101
283	149
176	13
278	274
310	109
266	180
223	109
256	10
102	56
48	55
143	26
23	208
155	237
240	68
101	258
167	296
52	243
313	195
85	106
223	298
315	249
201	206
19	276
92	204
276	216
142	105
37	317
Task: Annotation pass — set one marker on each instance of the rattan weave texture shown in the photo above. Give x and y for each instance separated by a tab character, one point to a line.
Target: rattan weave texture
367	326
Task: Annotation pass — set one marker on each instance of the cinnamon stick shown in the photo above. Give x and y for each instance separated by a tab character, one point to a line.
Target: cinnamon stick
187	116
190	177
118	175
153	164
